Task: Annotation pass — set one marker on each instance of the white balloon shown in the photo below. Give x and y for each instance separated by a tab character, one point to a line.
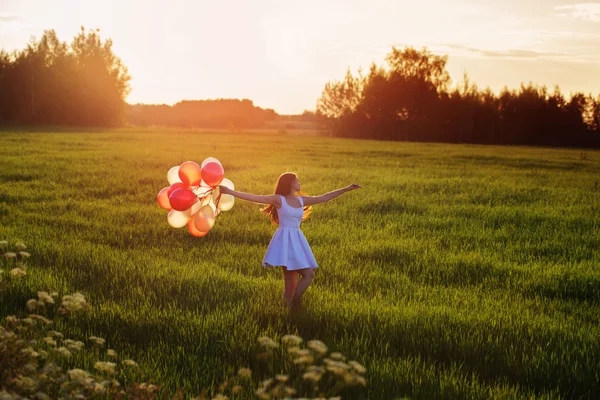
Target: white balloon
226	202
210	159
178	219
228	184
173	175
195	208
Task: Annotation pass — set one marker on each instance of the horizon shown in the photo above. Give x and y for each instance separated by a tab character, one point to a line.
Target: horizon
267	52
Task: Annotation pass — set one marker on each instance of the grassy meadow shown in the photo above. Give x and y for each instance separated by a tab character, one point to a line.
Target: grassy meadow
457	271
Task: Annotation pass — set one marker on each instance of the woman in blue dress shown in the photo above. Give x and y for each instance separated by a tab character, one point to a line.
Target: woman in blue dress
288	247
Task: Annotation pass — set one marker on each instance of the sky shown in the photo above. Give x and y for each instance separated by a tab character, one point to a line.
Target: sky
281	53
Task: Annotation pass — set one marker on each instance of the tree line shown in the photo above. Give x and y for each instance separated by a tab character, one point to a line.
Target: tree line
410	99
219	113
51	82
84	83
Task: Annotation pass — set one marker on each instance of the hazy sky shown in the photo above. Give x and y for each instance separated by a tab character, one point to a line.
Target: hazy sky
280	53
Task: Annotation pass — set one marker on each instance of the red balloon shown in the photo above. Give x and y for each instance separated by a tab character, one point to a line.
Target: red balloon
213	174
163	198
182	199
192	229
190	173
175	186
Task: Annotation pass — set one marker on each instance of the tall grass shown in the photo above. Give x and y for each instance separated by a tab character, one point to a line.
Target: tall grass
458	271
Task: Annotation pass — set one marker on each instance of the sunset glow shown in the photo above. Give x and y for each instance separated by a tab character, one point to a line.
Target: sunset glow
281	54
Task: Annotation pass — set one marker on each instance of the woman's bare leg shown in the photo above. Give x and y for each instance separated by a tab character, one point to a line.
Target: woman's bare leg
307	275
290	279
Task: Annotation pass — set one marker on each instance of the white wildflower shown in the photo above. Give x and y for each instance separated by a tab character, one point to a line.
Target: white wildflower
45	297
63	351
130	363
357	367
77	374
291	340
267	342
105	366
317	346
17	272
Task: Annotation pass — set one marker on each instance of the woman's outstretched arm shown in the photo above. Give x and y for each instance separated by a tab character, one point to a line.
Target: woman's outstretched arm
312	200
254	198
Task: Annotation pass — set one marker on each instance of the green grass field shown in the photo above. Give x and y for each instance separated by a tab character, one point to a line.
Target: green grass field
458	271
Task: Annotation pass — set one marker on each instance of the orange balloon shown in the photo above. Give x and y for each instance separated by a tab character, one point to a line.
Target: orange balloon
192	229
190	173
163	198
213	174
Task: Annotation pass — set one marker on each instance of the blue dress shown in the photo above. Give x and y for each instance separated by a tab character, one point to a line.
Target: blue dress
288	247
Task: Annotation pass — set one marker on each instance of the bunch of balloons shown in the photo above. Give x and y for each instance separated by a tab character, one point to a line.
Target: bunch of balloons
193	197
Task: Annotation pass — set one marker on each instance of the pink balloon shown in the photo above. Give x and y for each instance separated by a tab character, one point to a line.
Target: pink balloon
213	174
182	199
189	173
163	198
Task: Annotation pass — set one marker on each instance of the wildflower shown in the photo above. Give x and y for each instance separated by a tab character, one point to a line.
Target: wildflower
237	389
31	305
293	350
63	351
111	353
41	396
337	356
10	255
304	360
245	372
55	334
148	387
3	244
220	397
98	388
105	366
73	345
29	351
130	363
262	394
40	318
291	340
25	383
317	346
73	303
21	246
312	376
17	272
282	378
49	341
267	382
267	342
357	367
4	395
45	297
77	374
97	341
24	254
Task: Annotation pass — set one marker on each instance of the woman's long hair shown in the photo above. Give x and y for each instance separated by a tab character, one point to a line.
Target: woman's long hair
283	188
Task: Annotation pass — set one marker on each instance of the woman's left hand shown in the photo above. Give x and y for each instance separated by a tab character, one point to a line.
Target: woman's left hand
354	186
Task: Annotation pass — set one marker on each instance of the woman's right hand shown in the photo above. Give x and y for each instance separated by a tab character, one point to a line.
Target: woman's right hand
224	190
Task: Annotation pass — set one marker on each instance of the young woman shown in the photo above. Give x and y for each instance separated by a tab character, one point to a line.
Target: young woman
288	247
